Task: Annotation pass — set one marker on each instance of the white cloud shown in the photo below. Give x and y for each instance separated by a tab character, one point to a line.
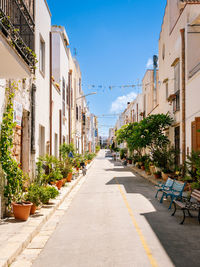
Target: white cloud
149	64
121	102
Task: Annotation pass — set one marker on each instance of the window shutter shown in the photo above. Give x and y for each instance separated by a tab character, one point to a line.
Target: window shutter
196	134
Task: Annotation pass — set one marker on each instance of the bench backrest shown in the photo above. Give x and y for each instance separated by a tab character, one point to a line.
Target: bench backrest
196	194
169	182
178	186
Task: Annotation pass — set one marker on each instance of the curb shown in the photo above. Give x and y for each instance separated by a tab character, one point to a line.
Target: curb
17	243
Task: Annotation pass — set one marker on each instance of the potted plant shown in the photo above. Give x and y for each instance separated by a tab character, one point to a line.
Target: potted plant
164	158
33	196
146	165
48	192
157	174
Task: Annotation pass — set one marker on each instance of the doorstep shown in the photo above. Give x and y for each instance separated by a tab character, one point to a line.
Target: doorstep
15	236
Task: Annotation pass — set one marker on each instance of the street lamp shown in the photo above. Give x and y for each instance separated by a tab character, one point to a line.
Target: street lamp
93	93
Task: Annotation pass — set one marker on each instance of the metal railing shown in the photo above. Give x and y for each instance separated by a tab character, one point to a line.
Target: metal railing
17	25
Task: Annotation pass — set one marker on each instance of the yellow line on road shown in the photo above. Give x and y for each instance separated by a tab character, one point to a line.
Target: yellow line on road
138	230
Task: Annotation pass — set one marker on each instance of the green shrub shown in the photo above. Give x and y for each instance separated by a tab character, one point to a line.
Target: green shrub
33	194
123	152
47	193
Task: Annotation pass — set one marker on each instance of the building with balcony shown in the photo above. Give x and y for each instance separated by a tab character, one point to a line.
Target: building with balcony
179	72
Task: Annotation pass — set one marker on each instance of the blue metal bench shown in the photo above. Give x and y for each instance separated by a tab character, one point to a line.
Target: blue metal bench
193	203
166	186
175	192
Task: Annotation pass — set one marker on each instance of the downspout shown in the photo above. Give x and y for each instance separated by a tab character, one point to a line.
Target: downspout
183	95
50	98
33	92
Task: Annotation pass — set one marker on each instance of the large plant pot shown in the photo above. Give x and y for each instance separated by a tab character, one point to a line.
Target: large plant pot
59	184
69	177
165	176
157	176
21	211
33	209
64	180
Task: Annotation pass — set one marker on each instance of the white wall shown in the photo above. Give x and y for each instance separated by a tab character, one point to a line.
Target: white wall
42	29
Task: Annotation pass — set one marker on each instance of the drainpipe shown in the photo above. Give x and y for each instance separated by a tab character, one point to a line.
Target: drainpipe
50	93
183	95
33	92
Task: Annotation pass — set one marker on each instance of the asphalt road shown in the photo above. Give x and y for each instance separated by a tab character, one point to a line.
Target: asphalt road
114	220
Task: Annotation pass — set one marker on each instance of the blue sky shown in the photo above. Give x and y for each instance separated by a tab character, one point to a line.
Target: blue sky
115	41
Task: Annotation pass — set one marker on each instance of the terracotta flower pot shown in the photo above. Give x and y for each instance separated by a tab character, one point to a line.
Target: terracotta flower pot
21	211
143	168
69	177
33	209
64	180
59	184
157	175
165	176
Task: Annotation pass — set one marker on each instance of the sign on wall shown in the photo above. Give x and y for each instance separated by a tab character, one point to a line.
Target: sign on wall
18	110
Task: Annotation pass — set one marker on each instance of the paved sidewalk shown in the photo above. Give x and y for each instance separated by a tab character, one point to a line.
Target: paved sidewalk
15	236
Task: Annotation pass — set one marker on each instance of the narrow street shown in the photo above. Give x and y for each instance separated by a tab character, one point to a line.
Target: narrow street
111	222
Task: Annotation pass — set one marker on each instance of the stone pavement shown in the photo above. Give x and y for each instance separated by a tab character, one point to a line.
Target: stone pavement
15	236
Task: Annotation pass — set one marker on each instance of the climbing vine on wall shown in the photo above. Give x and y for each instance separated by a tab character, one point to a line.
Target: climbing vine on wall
13	174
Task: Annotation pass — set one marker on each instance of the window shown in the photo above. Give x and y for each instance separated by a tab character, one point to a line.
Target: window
56	145
76	112
42	56
80	113
177	77
163	52
177	144
176	103
166	90
41	140
63	96
79	85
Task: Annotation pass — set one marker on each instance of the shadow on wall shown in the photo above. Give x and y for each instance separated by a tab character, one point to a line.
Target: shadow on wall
181	242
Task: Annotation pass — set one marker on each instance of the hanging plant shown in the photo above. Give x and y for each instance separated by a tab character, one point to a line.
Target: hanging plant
13	174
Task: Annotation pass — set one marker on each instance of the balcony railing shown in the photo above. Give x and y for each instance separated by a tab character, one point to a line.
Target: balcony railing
17	24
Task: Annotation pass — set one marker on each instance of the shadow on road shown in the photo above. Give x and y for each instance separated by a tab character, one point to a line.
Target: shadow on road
181	242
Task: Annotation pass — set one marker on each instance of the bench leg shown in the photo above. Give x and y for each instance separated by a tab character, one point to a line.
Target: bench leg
161	200
157	193
183	217
172	199
199	216
189	214
174	209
